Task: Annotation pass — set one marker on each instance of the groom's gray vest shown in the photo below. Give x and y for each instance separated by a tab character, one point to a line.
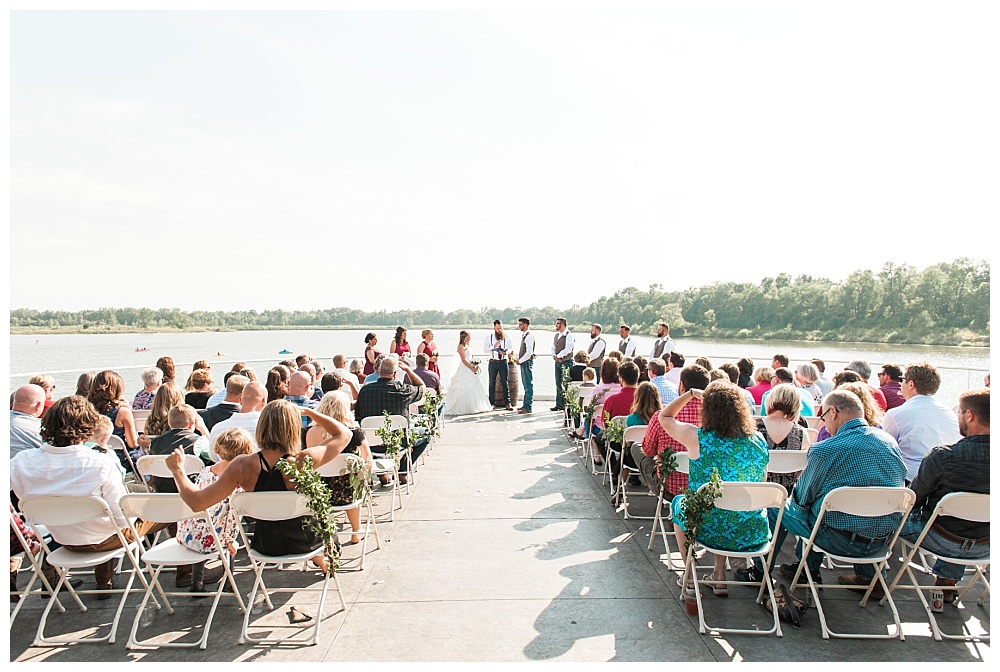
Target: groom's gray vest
596	363
560	342
524	349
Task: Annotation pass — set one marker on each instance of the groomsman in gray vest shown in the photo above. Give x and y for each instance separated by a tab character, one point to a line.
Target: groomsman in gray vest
526	357
663	344
497	348
596	350
626	346
562	355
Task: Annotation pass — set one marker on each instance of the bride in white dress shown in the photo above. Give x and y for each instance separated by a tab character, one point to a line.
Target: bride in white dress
465	393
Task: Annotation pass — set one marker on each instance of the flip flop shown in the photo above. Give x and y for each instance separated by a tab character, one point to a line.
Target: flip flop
718	591
296	616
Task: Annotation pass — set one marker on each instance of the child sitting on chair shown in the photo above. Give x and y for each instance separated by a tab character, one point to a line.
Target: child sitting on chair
99	441
194	533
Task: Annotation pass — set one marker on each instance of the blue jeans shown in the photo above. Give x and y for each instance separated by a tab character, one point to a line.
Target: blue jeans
935	543
798	521
778	537
528	382
498	368
559	376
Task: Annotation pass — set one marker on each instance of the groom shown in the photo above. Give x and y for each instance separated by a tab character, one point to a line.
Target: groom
497	347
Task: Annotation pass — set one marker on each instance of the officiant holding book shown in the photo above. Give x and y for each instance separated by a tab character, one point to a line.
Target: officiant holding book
497	346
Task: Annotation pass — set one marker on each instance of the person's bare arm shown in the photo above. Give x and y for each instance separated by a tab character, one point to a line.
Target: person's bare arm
128	426
682	432
235	475
325	450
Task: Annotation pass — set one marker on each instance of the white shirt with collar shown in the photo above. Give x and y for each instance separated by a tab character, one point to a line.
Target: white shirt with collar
247	421
918	425
216	398
492	341
668	347
600	345
567	351
529	346
71	470
629	350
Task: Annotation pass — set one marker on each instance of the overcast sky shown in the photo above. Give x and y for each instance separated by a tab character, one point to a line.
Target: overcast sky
393	159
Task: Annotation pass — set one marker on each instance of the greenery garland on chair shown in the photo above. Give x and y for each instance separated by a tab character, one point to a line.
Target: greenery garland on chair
697	505
391	438
310	484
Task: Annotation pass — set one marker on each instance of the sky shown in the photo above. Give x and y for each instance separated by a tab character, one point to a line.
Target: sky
443	159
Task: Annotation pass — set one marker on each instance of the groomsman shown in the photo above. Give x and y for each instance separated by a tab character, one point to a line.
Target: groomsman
663	344
526	356
497	348
626	346
562	355
596	350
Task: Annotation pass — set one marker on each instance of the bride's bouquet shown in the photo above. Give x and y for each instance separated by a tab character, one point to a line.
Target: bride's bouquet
475	363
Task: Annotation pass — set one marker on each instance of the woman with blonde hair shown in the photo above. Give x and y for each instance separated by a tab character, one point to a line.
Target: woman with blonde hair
338	406
429	348
278	438
167	396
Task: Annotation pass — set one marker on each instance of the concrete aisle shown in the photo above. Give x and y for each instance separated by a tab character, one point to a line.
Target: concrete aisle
509	550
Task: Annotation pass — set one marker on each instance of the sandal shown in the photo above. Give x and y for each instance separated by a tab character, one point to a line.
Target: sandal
717	589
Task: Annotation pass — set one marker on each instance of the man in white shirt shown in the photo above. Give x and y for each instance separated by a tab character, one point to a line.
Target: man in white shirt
663	343
922	422
252	402
25	425
626	346
562	355
348	378
595	351
675	363
526	357
64	466
496	348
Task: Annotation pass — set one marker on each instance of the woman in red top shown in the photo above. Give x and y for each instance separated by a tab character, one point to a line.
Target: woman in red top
399	343
762	378
429	348
370	354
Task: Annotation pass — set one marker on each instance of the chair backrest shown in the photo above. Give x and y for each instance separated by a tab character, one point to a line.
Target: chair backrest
813	435
399	422
376	421
744	496
683	462
813	421
69	510
140	415
971	506
371	422
340	465
270	505
115	443
757	409
167	507
786	461
619	420
869	502
371	437
599	412
584	394
416	409
634	434
156	465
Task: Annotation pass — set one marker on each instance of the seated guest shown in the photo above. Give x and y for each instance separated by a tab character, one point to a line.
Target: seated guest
727	440
745	366
48	384
337	405
358	370
166	364
657	376
961	467
824	383
277	382
331	382
864	369
762	379
608	386
388	394
278	438
84	382
675	362
589	379
643	365
645	405
64	466
181	434
229	405
352	382
580	362
806	375
431	379
784	376
733	376
25	426
317	376
217	398
705	363
167	396
300	392
201	381
400	374
98	442
855	455
107	395
779	361
196	533
252	402
619	403
151	381
871	411
890	380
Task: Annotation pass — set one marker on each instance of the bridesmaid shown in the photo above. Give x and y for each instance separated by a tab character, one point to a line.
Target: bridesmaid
399	343
370	354
429	348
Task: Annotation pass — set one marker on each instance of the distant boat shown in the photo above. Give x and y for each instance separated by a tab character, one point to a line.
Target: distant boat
220	354
284	352
142	349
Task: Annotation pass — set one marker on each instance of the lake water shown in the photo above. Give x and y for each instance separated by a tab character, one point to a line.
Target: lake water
66	356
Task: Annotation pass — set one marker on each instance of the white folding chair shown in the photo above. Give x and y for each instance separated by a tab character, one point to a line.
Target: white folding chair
813	435
786	461
279	506
598	412
658	528
633	434
398	423
813	421
116	444
967	506
170	508
422	424
156	465
140	418
865	502
742	496
342	465
583	394
35	560
619	421
63	511
384	466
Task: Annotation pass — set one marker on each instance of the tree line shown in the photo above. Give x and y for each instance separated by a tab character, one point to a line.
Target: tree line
944	304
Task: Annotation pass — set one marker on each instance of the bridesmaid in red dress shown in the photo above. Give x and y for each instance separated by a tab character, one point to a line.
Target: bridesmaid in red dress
370	354
429	348
399	343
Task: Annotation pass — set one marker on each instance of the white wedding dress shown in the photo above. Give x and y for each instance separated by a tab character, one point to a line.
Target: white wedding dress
465	394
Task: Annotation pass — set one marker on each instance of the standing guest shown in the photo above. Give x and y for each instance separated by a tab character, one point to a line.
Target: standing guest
580	363
107	395
428	347
229	405
277	382
47	383
663	343
166	364
727	440
922	422
961	467
762	377
595	351
824	383
864	369
371	340
497	346
779	361
562	354
626	345
151	381
201	388
358	369
745	366
400	346
675	364
526	359
84	382
25	426
657	376
890	380
431	379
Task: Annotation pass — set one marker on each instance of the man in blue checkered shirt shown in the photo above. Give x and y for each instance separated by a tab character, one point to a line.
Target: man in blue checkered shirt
855	455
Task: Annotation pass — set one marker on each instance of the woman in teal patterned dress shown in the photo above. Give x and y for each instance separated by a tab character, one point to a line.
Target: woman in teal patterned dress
728	441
